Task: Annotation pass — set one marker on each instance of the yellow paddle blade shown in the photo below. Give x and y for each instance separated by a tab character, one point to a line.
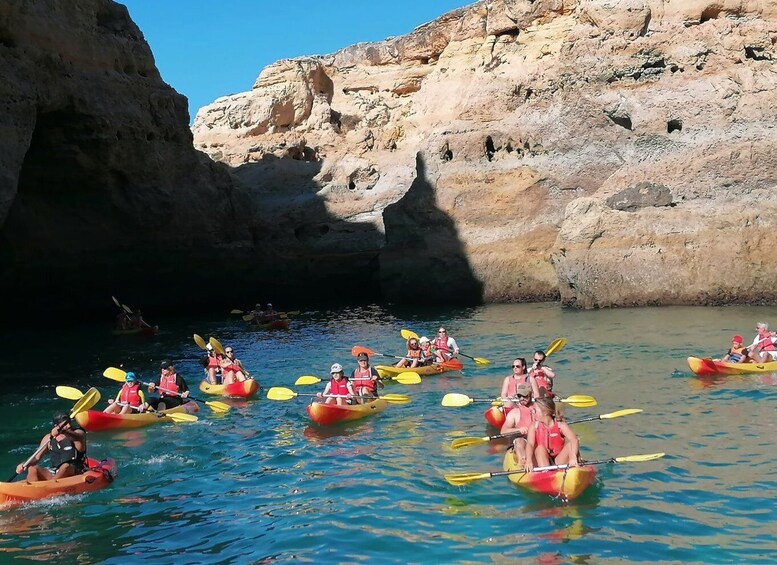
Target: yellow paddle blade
556	345
481	361
214	343
619	413
69	392
638	458
467	441
292	313
114	374
127	309
307	380
497	403
280	393
248	317
407	378
396	398
181	418
199	341
89	399
461	479
236	311
578	403
217	406
116	301
456	400
407	334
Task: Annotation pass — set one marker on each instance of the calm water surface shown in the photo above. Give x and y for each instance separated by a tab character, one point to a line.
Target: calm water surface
261	483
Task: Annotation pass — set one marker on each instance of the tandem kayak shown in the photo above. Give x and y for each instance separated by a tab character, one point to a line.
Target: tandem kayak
388	371
566	483
327	414
242	389
100	475
282	324
150	330
709	366
97	421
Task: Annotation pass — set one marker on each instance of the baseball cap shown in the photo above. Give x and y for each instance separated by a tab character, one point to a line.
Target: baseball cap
361	356
336	368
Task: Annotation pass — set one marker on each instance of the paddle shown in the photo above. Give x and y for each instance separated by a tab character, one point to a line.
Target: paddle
281	393
71	393
405	378
236	311
214	343
408	334
457	400
468	441
459	479
477	360
200	342
555	345
118	375
88	400
356	349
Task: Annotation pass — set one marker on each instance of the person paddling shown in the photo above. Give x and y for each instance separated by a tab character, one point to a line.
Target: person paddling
365	379
173	390
763	348
738	352
444	346
518	421
129	398
550	440
339	389
66	446
230	353
543	375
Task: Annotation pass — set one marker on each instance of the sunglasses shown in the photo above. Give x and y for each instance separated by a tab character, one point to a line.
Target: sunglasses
229	351
441	332
517	366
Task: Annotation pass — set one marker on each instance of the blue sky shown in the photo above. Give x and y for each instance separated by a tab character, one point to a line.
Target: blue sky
210	48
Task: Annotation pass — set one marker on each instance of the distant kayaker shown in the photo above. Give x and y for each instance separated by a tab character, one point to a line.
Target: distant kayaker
738	352
365	379
129	398
173	389
542	374
518	421
339	389
550	440
269	313
444	346
66	446
137	321
413	356
230	352
518	377
427	355
763	348
211	366
122	321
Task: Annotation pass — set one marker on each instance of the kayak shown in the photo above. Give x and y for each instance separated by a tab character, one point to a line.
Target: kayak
496	416
97	421
282	324
388	371
242	389
709	366
327	414
150	330
100	475
563	483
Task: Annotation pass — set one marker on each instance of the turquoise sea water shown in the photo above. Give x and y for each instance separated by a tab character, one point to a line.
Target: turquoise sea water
262	483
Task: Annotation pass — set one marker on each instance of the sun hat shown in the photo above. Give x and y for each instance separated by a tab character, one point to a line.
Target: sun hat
424	339
336	368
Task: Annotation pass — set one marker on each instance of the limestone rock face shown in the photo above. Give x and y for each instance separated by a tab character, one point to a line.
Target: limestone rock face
598	151
100	188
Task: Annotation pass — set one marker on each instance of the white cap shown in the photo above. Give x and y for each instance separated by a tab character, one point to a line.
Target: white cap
209	347
336	368
424	339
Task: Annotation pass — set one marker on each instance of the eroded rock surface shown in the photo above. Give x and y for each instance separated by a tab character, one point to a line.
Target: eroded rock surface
605	152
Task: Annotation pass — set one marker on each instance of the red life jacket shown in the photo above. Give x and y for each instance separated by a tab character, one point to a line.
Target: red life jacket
363	379
213	362
168	382
542	379
130	395
551	438
766	344
527	415
441	344
339	388
513	383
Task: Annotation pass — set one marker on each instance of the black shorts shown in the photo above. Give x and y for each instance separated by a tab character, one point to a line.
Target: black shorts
170	402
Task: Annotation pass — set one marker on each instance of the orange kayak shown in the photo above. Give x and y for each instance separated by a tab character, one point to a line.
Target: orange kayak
388	371
565	483
100	475
328	414
243	389
98	421
150	330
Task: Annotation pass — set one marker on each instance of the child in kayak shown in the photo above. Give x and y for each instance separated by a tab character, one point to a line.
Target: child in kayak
129	398
738	352
413	356
66	446
427	355
338	390
550	440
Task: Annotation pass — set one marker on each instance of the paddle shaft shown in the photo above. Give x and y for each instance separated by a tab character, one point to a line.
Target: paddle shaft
553	467
173	393
510	434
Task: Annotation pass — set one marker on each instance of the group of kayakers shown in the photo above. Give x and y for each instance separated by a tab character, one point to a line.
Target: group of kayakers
423	351
172	389
127	321
762	350
543	438
361	387
223	368
262	316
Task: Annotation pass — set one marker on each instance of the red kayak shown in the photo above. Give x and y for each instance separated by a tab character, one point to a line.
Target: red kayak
566	483
496	416
328	414
282	324
239	389
146	331
100	475
97	421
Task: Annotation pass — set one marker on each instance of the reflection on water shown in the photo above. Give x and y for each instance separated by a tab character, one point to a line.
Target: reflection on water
263	483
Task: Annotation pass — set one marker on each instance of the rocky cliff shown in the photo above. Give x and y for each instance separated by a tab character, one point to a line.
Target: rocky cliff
604	152
101	191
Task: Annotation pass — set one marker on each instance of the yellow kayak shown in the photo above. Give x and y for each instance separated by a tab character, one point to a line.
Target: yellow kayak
565	483
388	371
242	389
707	366
97	421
